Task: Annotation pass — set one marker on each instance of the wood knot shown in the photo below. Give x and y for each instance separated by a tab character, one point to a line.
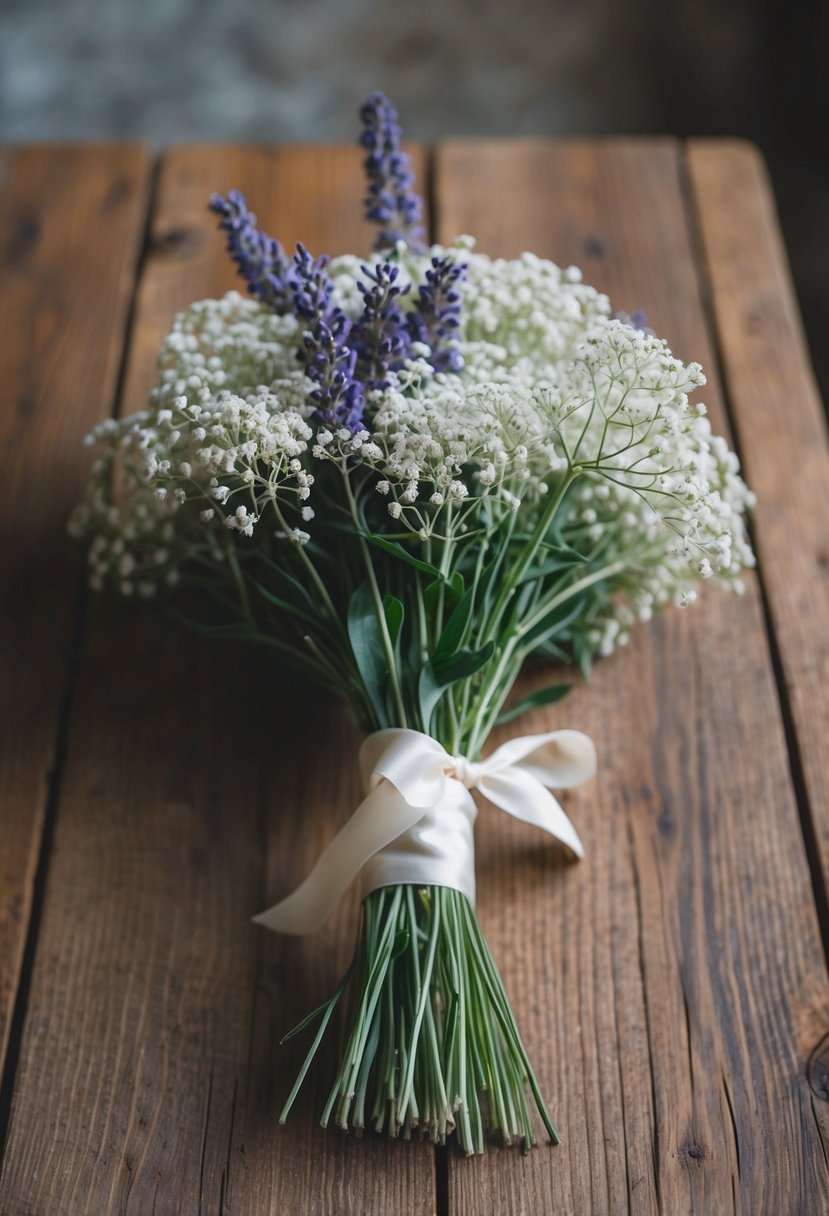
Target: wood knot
117	193
175	242
817	1069
593	247
754	322
24	235
26	404
697	1152
666	825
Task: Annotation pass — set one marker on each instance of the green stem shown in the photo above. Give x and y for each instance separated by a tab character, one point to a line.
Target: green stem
233	562
529	551
431	1027
313	574
568	593
388	648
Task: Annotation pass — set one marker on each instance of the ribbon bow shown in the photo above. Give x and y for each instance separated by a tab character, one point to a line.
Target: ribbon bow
415	823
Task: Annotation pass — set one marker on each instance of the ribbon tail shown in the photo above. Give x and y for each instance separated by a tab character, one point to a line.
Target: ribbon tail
559	760
524	797
379	819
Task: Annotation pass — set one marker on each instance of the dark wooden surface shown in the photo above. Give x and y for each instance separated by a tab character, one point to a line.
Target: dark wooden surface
71	224
672	988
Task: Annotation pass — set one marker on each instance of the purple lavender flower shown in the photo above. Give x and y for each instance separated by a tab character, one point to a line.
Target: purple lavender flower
261	260
390	201
311	286
328	361
338	396
436	318
381	337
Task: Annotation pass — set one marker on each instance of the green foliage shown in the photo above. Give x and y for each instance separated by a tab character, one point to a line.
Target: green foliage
367	647
393	610
461	664
287	593
434	635
396	550
535	700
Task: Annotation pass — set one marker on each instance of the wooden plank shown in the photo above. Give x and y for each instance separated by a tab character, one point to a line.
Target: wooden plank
781	431
72	221
672	986
150	1075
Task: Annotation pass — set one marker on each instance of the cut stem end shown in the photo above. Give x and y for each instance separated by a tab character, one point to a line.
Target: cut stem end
430	1029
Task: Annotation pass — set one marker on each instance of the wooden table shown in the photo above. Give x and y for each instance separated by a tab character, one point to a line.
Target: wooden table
156	792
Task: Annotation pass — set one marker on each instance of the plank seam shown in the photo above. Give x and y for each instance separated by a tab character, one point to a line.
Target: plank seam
793	750
63	718
640	941
53	789
142	256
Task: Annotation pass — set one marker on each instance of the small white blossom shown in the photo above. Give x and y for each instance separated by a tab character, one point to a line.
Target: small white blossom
548	381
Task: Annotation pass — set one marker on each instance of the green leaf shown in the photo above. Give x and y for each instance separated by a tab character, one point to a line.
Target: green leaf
541	696
429	693
461	665
396	550
455	587
556	620
452	589
394	617
564	552
562	559
455	628
287	592
551	651
367	645
285	606
431	592
583	656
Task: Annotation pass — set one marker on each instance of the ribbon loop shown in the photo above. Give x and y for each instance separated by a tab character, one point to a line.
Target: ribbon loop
466	771
415	823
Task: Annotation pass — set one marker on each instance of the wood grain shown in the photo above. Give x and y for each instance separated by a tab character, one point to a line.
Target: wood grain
198	787
71	224
781	431
671	987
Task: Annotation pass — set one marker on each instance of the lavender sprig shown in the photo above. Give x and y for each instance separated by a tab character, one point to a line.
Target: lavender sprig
338	396
328	361
381	337
436	318
390	201
311	286
260	259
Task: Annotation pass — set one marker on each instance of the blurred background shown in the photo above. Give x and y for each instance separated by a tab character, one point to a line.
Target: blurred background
271	70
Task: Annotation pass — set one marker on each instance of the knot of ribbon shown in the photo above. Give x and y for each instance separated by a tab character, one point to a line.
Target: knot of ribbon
465	771
415	823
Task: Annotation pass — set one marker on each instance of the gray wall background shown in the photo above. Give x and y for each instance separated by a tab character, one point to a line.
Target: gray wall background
171	70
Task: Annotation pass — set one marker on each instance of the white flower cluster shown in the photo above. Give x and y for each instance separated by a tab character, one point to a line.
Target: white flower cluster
551	388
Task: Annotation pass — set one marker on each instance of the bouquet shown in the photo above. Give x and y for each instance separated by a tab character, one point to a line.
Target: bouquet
406	475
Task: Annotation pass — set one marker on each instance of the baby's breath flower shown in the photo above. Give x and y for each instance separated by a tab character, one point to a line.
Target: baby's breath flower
545	382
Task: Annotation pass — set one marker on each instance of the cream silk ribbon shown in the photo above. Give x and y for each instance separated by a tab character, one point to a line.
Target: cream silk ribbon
415	824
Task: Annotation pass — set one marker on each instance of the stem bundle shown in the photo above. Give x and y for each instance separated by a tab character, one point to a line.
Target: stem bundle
429	1029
